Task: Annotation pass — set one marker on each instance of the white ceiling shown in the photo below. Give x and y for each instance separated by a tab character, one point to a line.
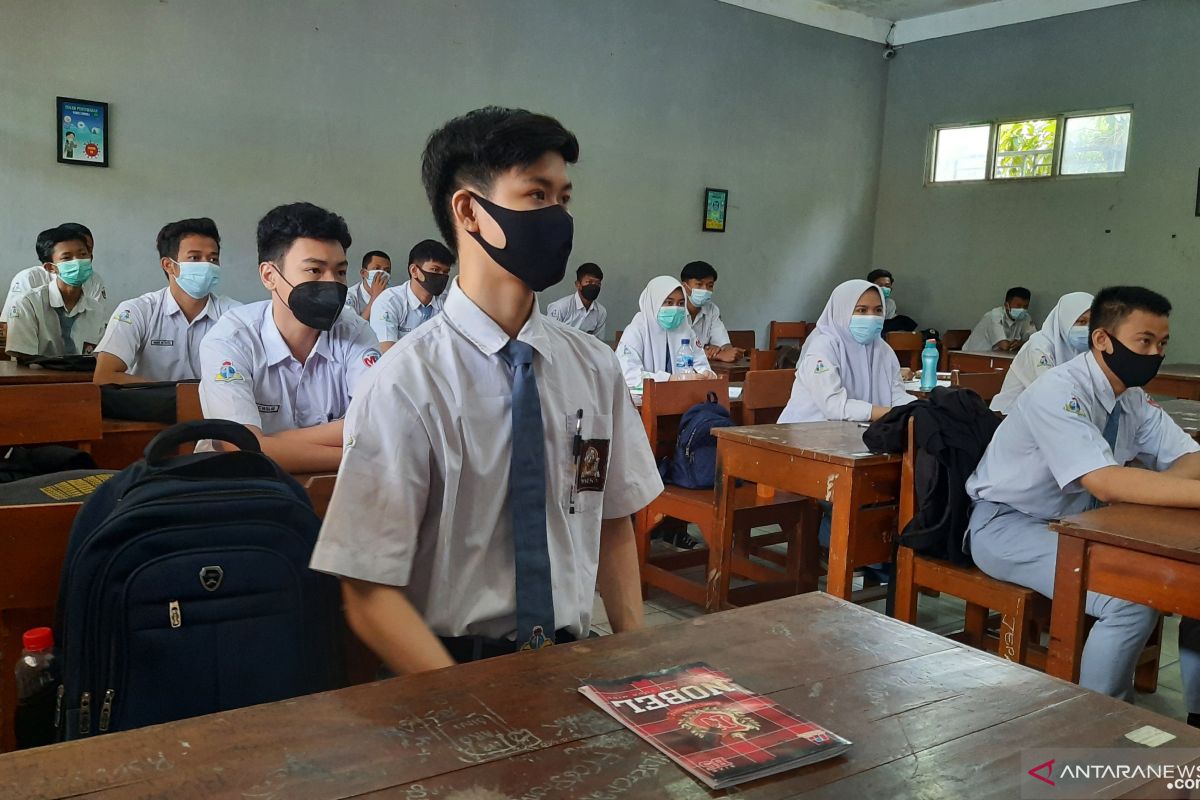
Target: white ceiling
916	20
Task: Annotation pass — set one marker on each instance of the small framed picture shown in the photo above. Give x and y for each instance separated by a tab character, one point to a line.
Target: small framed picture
716	203
81	130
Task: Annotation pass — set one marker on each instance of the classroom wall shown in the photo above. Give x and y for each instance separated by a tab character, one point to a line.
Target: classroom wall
226	108
955	249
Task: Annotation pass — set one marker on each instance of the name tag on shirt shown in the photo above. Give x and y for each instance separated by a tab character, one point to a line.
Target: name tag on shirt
592	466
267	408
163	342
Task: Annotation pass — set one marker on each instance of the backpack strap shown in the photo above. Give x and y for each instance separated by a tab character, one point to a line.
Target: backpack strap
164	445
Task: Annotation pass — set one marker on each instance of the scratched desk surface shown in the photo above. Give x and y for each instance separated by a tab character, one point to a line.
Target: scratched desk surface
927	717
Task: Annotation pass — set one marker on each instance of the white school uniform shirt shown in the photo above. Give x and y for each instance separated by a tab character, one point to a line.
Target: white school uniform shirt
708	327
29	279
570	310
1045	350
421	498
646	349
397	312
38	322
248	374
357	298
153	337
996	326
1054	435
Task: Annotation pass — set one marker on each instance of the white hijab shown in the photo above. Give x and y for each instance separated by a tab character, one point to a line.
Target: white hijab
868	371
1053	337
660	343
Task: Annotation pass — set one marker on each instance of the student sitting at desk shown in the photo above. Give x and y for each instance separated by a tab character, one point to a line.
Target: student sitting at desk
1063	449
156	337
1006	327
1063	337
57	318
400	309
846	371
650	344
286	367
699	279
29	279
581	310
374	276
891	320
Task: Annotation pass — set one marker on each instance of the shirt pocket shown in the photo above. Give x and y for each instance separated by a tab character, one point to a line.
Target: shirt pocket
583	467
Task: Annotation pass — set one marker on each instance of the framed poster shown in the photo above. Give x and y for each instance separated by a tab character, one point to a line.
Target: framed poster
716	203
81	131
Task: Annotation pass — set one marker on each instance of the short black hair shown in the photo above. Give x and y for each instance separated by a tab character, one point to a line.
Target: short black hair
876	274
589	269
173	232
430	250
367	256
70	133
1113	304
697	271
283	225
1018	293
78	228
47	239
478	146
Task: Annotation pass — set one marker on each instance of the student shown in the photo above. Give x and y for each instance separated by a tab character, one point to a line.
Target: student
286	367
846	371
57	318
1006	327
29	279
1063	449
698	279
402	308
466	522
651	342
156	337
374	275
1063	337
891	321
581	310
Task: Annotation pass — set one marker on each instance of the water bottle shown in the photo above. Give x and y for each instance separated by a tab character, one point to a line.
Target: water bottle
37	689
929	365
685	360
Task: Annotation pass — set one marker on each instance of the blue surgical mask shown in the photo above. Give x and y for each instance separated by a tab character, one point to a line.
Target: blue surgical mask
75	272
198	279
1018	314
700	297
670	317
373	273
1078	338
865	327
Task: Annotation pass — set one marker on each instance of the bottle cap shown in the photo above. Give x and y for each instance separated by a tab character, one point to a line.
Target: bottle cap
686	341
37	639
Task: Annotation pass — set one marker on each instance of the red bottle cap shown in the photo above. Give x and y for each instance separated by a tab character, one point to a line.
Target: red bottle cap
37	639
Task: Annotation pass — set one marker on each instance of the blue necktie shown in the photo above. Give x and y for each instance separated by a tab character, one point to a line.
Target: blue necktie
669	370
527	503
1110	435
426	312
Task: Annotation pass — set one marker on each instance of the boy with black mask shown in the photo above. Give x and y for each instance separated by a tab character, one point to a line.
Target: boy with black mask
492	458
400	309
581	309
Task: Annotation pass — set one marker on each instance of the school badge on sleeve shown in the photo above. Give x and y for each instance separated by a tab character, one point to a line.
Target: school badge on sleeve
228	373
1075	407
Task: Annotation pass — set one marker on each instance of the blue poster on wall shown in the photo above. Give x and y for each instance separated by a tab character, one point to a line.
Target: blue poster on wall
82	132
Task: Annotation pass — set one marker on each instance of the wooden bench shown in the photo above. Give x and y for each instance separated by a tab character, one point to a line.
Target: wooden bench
952	340
743	340
762	359
986	384
50	413
778	331
908	347
765	393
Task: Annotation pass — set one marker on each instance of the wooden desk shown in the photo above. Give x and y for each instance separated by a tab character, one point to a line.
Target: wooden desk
921	711
1186	414
122	442
733	370
1177	380
13	374
1143	554
964	361
824	460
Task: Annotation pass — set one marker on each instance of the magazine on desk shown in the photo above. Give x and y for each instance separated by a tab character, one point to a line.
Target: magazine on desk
720	732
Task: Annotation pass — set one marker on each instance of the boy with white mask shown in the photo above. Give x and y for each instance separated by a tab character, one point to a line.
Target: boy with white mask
1062	337
376	275
699	279
1004	328
846	371
156	337
651	343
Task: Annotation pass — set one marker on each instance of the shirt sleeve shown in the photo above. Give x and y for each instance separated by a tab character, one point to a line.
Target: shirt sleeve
386	317
1160	441
227	382
124	336
602	328
717	335
633	479
1069	440
823	382
993	331
1042	362
900	395
23	335
629	353
554	312
361	354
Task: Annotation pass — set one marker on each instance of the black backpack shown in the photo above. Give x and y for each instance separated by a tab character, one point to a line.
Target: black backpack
694	465
186	589
141	402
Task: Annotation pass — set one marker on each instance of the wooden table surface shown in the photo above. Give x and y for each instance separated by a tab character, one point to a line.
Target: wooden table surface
1168	532
13	374
835	442
734	370
1186	414
927	717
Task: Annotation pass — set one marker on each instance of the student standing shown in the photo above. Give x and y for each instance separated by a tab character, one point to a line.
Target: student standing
402	308
286	367
846	371
581	310
374	276
156	337
1006	327
493	459
1063	337
651	343
699	279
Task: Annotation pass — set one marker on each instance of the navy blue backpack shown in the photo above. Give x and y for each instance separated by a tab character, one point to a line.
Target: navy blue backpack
694	465
186	589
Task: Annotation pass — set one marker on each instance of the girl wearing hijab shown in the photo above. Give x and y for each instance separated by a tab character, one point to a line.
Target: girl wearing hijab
846	371
1062	338
651	342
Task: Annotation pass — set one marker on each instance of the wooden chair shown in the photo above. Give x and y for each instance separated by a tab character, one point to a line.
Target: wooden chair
617	340
762	359
908	347
986	384
764	395
662	406
743	340
952	340
788	330
187	402
50	413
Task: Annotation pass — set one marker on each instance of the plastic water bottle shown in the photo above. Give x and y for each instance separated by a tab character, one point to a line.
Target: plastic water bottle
929	365
685	359
37	689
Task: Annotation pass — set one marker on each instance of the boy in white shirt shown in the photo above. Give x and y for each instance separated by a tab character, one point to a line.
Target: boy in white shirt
699	278
375	274
400	309
581	310
1004	328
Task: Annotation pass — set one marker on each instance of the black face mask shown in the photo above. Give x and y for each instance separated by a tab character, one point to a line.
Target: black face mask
316	303
590	292
434	282
1132	369
538	243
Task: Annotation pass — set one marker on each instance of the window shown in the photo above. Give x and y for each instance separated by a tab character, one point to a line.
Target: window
1076	143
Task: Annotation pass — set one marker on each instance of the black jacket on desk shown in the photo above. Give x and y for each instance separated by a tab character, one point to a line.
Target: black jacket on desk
952	430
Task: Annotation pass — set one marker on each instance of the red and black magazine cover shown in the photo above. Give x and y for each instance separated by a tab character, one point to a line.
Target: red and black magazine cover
717	730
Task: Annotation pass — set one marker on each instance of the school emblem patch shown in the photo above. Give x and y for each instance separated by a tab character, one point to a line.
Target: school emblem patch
389	317
13	313
1075	407
370	357
1045	361
123	316
228	373
821	368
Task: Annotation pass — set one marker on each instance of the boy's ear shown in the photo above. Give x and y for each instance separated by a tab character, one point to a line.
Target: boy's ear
463	210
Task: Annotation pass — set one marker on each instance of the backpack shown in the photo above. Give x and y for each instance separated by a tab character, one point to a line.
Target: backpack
186	589
141	402
694	465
